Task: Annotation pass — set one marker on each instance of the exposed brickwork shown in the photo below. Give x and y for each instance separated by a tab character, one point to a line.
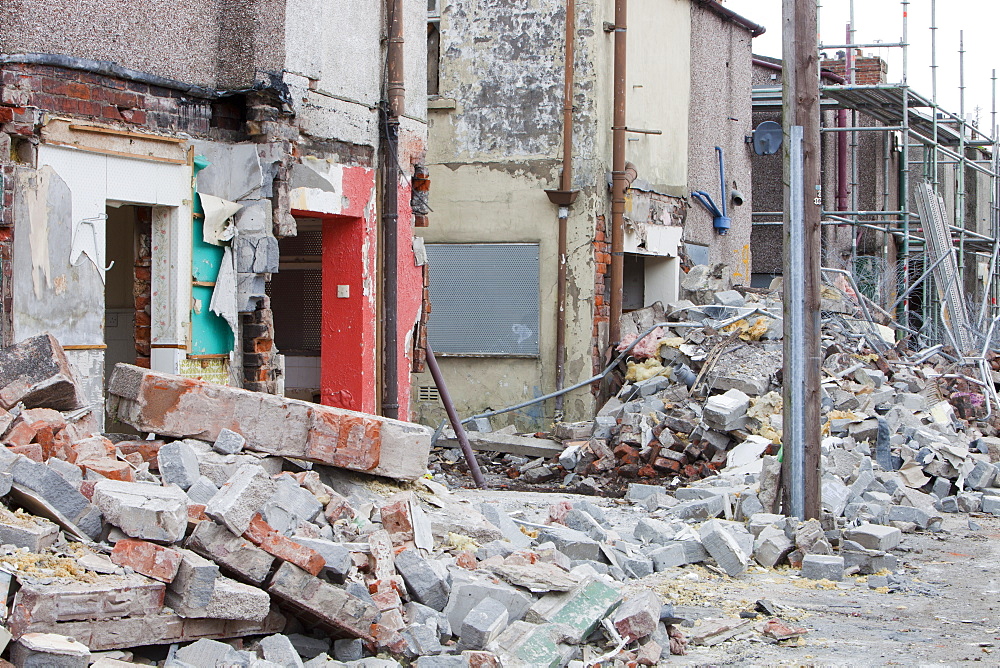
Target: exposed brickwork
142	287
602	285
420	335
107	99
259	357
867	71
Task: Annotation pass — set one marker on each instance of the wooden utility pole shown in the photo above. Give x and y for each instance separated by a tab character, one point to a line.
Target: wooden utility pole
802	249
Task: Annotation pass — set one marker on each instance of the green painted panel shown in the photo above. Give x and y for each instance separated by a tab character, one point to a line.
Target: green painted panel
210	334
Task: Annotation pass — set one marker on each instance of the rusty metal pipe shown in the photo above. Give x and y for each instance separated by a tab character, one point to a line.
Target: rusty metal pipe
390	209
618	177
566	186
456	423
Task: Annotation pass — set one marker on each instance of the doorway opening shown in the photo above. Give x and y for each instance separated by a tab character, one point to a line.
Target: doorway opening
296	293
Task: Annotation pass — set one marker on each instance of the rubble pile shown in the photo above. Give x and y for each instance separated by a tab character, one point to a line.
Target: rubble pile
232	537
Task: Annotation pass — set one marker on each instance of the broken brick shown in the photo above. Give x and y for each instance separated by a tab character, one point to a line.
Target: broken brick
267	538
155	561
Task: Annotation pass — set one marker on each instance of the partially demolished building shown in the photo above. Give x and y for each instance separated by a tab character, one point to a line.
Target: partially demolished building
195	190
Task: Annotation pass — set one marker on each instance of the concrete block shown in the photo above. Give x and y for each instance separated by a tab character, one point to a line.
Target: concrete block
637	491
649	530
348	649
237	556
720	543
772	546
875	536
279	649
48	650
465	595
969	503
578	520
981	476
578	611
483	623
143	510
948	504
671	555
202	490
337	558
27	531
574	544
228	442
229	599
822	567
242	497
991	505
702	509
195	581
203	653
149	559
638	615
425	584
41	489
36	373
178	464
183	407
726	411
335	606
836	495
421	640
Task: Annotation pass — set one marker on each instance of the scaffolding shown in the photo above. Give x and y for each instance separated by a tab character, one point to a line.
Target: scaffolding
925	137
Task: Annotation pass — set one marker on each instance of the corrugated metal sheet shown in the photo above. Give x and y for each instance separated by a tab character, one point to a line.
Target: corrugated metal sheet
484	299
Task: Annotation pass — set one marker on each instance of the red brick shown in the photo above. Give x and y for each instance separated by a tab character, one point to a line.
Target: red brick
387	600
396	519
269	539
95	447
6	114
155	561
31	451
146	449
20	434
112	469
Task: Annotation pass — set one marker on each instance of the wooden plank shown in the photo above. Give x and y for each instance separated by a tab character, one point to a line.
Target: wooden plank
97	129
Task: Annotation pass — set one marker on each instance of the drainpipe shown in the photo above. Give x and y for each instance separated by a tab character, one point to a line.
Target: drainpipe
564	198
390	209
842	161
618	176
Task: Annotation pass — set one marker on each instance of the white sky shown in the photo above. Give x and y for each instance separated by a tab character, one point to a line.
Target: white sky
882	20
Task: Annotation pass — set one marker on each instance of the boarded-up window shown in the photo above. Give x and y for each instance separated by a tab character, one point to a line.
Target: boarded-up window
484	299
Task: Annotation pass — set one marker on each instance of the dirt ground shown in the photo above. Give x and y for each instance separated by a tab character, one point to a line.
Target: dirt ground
939	611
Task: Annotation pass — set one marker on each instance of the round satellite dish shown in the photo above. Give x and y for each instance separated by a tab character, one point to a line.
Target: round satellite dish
767	138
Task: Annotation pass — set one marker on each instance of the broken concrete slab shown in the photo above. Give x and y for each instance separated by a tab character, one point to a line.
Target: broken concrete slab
48	650
425	584
238	556
144	510
36	373
241	498
102	597
228	599
823	567
512	444
721	544
182	407
333	606
580	609
874	536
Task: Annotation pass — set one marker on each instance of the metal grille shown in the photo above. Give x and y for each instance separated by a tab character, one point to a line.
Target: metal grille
296	301
484	299
428	393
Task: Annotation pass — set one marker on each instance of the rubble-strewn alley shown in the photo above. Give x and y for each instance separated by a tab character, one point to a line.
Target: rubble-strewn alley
248	529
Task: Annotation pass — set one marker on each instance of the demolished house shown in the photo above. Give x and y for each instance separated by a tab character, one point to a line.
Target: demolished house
196	192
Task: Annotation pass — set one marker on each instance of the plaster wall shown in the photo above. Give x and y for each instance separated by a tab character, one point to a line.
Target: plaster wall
720	115
213	43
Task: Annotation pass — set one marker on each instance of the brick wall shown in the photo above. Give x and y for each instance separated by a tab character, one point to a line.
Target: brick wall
102	98
602	287
6	252
867	71
259	369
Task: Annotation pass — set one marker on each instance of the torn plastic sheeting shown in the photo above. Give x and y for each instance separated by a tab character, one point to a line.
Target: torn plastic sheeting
86	242
219	225
223	301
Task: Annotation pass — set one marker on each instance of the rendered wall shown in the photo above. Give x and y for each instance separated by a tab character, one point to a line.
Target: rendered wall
213	43
720	115
495	146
